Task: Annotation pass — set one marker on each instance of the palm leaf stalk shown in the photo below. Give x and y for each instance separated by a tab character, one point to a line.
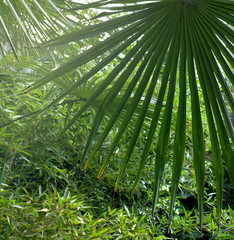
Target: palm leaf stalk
191	43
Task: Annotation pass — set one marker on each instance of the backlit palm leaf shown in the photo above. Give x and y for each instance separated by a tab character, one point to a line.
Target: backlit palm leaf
26	23
191	43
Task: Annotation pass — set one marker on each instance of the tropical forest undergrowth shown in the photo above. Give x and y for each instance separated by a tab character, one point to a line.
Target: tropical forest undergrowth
44	194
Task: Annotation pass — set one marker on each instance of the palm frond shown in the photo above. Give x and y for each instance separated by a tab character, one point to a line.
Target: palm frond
25	24
191	43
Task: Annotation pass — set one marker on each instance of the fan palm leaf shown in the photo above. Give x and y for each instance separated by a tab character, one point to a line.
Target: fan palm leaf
191	43
24	24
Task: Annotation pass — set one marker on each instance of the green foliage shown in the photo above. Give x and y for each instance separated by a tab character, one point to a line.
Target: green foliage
174	48
44	195
146	92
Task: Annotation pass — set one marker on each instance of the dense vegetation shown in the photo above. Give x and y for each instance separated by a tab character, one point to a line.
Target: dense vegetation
48	182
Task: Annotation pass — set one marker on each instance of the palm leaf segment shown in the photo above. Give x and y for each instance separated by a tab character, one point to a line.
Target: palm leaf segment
26	23
191	42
